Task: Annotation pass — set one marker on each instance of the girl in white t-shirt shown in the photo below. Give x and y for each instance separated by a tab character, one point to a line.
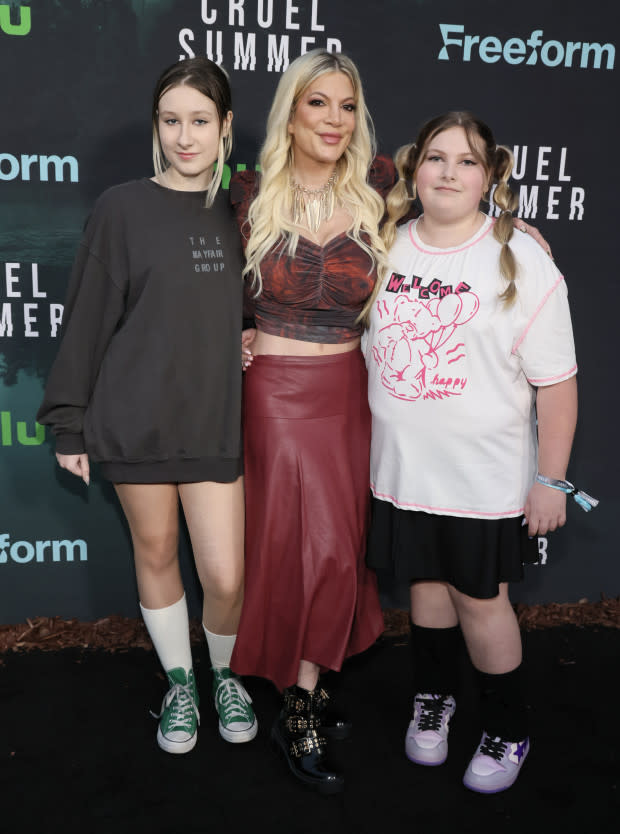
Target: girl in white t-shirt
469	347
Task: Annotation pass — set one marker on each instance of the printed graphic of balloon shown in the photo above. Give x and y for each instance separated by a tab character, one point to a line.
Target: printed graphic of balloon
470	306
432	306
455	308
449	308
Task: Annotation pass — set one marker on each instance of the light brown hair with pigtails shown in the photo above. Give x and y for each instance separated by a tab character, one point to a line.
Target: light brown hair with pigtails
398	201
507	202
497	161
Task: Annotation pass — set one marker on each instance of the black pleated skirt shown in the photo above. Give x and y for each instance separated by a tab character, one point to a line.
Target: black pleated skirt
473	555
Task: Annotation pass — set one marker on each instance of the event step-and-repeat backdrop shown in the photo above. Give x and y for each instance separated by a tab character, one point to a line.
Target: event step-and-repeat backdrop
76	80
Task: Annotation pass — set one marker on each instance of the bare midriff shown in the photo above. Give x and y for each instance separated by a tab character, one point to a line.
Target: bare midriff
265	343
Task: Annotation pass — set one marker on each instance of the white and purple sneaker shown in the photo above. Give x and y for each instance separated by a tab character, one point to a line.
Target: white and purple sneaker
495	764
427	737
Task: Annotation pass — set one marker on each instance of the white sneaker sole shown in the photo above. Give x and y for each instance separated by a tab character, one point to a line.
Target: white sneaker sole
489	785
176	746
420	756
239	736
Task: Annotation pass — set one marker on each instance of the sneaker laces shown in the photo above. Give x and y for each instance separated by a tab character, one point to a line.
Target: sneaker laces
180	699
232	700
431	712
493	747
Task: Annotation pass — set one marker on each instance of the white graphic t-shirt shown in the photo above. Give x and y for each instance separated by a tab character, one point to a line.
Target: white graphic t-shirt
453	373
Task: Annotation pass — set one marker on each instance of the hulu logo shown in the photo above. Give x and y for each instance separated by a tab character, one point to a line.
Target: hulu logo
21	433
227	173
22	27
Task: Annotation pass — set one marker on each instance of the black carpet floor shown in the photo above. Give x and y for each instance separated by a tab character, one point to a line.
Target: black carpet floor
78	751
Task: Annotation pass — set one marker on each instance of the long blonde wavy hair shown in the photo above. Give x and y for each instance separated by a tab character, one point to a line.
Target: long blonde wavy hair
497	162
270	213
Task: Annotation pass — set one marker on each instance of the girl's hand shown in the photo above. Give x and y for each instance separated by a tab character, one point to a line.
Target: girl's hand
76	464
247	337
524	227
545	510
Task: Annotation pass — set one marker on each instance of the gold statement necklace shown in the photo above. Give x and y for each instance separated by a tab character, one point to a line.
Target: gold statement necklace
312	206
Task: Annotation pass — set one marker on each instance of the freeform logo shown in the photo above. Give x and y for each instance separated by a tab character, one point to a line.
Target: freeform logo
552	53
22	27
13	167
22	552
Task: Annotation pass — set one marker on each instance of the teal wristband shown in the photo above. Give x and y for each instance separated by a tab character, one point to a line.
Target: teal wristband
585	501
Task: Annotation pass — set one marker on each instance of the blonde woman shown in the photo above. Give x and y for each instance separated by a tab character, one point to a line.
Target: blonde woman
310	226
147	382
473	395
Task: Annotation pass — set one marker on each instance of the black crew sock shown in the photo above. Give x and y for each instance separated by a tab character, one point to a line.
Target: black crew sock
435	658
502	706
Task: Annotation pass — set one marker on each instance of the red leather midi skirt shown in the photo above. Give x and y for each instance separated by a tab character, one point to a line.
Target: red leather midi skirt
308	592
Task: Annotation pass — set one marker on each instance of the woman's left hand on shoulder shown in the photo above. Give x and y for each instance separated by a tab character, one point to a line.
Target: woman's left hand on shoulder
533	232
545	510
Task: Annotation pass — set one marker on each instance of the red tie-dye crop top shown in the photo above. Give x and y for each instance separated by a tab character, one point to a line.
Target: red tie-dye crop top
317	295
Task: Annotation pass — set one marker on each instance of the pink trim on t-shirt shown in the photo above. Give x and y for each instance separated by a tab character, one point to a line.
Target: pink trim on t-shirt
443	510
452	251
549	380
536	312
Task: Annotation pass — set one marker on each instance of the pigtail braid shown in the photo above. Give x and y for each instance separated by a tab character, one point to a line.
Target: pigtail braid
399	199
503	229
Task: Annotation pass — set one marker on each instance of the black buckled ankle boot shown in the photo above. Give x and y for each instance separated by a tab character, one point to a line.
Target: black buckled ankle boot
295	734
333	724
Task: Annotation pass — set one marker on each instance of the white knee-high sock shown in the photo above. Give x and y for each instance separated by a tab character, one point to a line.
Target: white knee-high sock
168	628
220	648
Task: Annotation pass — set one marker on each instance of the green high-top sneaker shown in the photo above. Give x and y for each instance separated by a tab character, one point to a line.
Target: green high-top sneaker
179	716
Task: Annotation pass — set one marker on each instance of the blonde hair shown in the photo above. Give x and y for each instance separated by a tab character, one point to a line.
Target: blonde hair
212	81
497	161
270	212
